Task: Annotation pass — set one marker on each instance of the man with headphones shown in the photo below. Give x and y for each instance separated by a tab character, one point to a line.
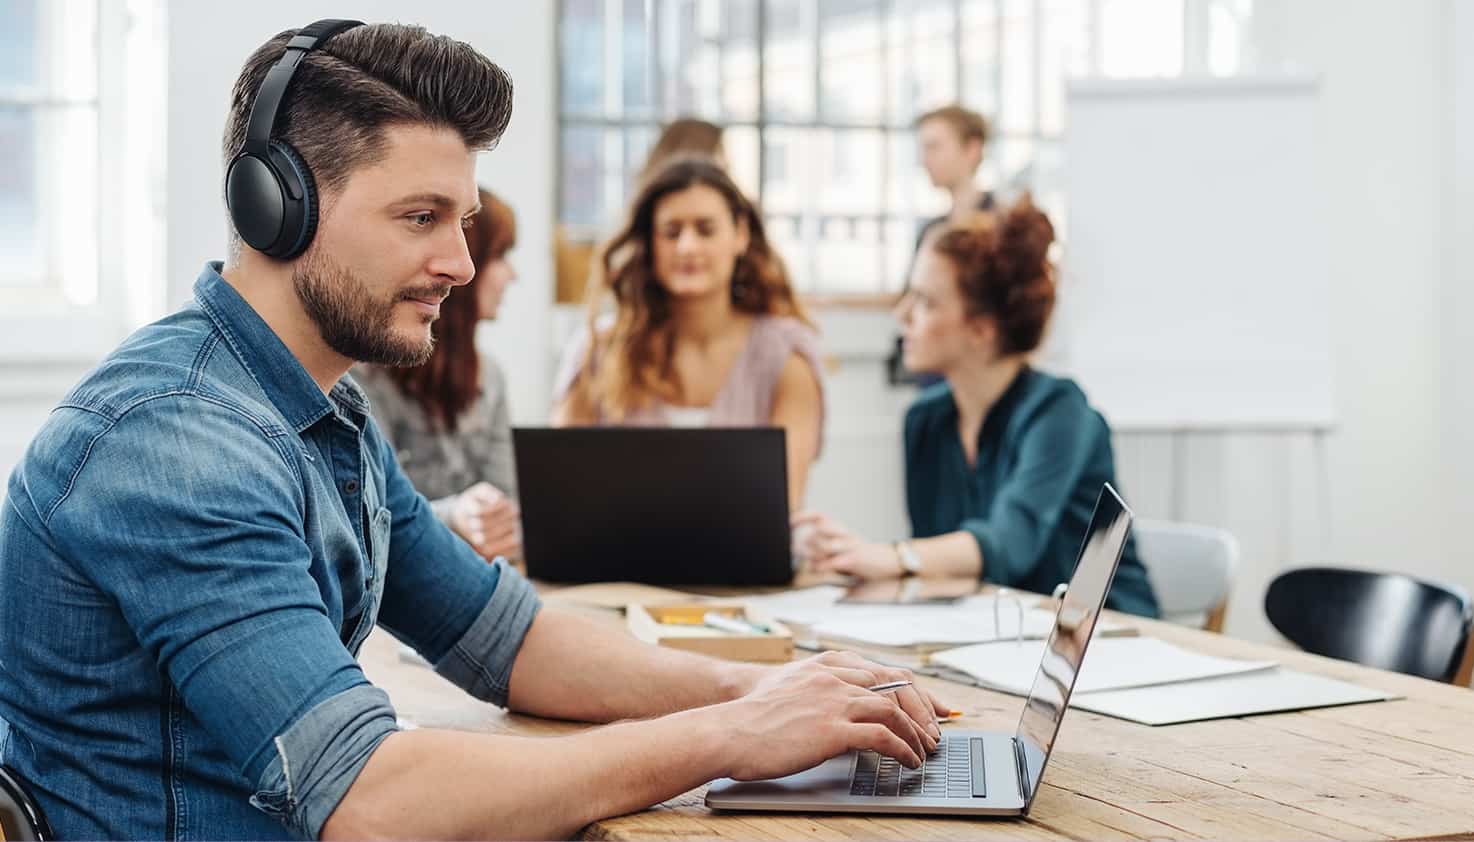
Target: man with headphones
199	539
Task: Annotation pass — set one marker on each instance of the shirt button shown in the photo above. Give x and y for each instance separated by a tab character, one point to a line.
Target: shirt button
351	486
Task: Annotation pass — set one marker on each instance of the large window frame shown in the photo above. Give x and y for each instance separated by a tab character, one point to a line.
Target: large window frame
1008	86
94	110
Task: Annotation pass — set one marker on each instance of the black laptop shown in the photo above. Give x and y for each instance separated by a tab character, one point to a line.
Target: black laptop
662	506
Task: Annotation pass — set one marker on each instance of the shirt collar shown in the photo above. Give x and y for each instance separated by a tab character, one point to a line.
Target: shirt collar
281	376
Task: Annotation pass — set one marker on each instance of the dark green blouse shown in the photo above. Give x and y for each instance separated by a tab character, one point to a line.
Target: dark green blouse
1043	455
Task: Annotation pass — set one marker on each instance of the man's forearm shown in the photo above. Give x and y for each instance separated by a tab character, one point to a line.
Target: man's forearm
575	667
447	785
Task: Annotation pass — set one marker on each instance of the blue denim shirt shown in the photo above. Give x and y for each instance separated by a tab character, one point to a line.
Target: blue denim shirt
192	550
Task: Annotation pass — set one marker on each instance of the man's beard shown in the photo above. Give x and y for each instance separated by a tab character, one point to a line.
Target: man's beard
351	320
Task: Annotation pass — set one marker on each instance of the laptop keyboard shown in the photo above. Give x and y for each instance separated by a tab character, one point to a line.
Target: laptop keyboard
945	773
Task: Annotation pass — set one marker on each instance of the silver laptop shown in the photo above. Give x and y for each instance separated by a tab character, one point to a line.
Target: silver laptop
972	773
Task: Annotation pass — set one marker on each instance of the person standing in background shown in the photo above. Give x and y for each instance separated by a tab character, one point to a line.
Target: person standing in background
686	137
448	419
951	141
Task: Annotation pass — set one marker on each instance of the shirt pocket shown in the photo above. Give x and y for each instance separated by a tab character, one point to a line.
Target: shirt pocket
373	585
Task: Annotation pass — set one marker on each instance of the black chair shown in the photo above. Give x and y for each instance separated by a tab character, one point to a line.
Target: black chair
20	816
1383	620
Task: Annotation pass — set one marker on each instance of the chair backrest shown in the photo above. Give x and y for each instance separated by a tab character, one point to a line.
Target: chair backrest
1384	620
1191	569
20	816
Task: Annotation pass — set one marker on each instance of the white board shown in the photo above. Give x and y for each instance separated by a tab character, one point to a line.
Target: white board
1195	284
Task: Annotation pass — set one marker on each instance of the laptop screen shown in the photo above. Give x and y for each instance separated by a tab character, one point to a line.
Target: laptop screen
1073	624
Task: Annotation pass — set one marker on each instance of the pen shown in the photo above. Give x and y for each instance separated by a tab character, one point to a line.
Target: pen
732	624
888	686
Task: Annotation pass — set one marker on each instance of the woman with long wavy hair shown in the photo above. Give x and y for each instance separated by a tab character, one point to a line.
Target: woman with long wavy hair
448	419
705	329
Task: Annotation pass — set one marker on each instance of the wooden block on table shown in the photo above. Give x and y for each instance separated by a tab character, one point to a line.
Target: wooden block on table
680	626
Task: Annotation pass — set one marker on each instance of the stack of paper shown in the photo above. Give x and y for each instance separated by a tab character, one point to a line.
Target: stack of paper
1150	681
1111	663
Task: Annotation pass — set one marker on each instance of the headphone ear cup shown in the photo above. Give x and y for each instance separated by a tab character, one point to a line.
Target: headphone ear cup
299	223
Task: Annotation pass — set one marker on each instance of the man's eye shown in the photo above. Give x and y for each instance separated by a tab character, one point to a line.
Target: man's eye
422	219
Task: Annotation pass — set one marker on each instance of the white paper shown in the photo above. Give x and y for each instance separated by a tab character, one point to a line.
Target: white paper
967	622
974	619
1269	691
1111	663
804	606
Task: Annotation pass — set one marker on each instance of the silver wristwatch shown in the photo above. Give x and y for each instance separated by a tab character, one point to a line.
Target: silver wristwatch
910	561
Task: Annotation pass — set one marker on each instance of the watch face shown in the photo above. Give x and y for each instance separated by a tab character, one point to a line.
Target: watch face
909	559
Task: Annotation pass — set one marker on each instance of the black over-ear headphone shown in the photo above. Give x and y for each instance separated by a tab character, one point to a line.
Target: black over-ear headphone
268	188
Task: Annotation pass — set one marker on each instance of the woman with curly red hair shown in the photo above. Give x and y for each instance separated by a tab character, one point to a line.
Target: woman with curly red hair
1003	462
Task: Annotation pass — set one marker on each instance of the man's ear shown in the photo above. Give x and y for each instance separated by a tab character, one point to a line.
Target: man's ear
973	148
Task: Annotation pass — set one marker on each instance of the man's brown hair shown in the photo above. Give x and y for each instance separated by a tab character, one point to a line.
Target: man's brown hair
348	91
968	124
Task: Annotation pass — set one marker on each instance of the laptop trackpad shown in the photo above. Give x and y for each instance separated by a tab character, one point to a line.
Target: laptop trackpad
828	778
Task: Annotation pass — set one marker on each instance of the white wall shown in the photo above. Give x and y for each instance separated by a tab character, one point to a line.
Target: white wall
1458	300
209	42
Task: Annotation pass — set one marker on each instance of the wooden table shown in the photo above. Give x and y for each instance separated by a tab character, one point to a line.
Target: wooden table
1391	770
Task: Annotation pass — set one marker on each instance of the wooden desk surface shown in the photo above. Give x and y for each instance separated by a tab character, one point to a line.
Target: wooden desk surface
1391	770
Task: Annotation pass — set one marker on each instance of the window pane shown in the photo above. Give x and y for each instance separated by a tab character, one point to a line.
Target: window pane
17	44
854	60
922	46
852	165
787	182
848	256
900	245
786	236
582	201
1141	37
20	237
1228	24
690	67
1013	161
980	56
911	192
63	54
635	148
1065	55
741	143
1017	109
581	66
636	61
788	57
68	197
739	84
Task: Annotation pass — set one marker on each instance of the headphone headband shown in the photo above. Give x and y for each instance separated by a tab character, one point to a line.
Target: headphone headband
274	87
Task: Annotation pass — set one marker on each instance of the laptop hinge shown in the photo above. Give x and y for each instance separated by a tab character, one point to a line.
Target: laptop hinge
1022	762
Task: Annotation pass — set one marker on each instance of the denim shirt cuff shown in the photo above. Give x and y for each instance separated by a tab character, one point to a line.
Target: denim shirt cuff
443	508
319	757
481	661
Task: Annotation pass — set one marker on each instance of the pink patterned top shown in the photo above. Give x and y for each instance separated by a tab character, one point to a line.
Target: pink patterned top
745	399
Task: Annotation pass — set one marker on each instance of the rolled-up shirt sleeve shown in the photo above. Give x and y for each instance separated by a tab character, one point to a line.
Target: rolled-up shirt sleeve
463	615
216	584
